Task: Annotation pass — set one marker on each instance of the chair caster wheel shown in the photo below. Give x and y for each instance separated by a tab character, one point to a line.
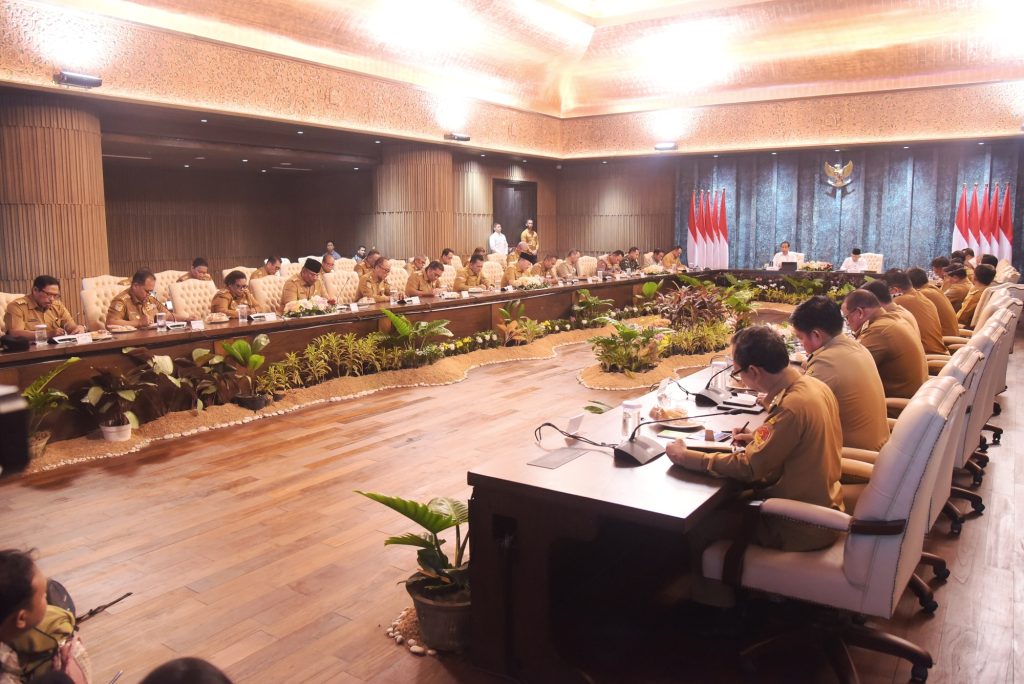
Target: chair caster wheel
978	477
997	439
942	574
918	673
929	605
956	527
978	507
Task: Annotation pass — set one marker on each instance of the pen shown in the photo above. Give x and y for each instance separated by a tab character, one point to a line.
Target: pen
745	425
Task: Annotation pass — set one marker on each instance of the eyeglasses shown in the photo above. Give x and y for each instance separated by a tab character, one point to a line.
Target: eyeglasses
735	374
846	316
50	295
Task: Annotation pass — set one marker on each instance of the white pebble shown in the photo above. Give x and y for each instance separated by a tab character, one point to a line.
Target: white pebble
418	650
431	651
412	642
399	639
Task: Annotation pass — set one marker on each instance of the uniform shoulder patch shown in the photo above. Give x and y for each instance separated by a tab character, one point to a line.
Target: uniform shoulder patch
763	433
118	305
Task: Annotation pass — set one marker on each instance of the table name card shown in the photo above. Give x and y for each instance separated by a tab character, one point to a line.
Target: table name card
198	325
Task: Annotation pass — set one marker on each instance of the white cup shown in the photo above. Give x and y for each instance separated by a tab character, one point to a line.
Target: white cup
161	321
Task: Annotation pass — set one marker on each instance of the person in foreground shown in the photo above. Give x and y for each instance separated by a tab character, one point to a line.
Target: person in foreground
186	671
795	454
41	306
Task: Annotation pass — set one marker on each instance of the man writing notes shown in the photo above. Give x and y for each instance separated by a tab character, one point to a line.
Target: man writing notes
374	285
41	306
425	283
893	344
471	276
305	284
136	307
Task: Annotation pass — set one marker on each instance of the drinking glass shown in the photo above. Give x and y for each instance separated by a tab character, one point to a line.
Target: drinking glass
600	276
161	321
41	334
243	313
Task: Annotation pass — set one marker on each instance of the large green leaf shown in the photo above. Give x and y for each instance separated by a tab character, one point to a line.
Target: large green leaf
127	395
401	324
255	362
43	380
163	364
411	539
239	350
433	563
453	508
260	342
415	511
132	419
93	396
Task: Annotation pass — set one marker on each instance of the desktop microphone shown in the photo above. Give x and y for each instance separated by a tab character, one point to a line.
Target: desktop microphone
644	449
711	396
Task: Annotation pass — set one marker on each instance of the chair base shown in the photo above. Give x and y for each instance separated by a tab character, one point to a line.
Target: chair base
976	471
937	564
997	432
923	592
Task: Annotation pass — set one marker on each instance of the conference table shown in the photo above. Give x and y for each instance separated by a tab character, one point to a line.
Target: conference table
520	513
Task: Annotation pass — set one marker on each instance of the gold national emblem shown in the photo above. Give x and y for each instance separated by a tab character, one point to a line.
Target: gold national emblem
762	434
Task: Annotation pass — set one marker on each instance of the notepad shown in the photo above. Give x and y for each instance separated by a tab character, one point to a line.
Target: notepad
557	458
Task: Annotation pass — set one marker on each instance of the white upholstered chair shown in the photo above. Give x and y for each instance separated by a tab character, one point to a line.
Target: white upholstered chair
587	266
96	281
247	270
267	292
456	261
447	278
192	298
872	261
5	299
866	571
493	271
288	270
342	285
96	301
398	263
648	259
498	258
344	264
397	278
163	283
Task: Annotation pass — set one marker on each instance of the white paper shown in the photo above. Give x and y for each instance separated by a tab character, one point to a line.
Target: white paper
198	325
465	294
413	300
353	307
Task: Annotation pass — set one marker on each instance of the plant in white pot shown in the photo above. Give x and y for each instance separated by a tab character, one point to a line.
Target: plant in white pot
440	590
42	400
112	396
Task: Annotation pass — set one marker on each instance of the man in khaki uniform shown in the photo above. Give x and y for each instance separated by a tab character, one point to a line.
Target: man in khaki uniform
236	292
41	306
673	258
884	297
568	269
894	346
609	263
531	238
305	284
923	311
983	277
416	264
472	275
546	268
796	452
514	273
847	368
326	264
425	283
200	271
939	266
366	265
956	285
136	307
447	256
947	314
271	267
375	283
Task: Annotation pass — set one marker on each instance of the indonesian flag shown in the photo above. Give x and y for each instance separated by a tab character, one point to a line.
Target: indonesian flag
716	241
702	238
692	238
960	229
723	229
709	231
992	231
1006	228
984	225
973	221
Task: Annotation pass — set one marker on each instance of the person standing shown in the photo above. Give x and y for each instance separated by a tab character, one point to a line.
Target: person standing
497	242
532	240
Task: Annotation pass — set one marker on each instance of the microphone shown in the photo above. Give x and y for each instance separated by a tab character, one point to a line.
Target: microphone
644	449
712	396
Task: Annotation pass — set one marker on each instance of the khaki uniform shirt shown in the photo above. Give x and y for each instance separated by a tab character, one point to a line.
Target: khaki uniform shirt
539	270
945	310
927	318
849	371
532	239
295	289
670	260
260	272
418	286
895	308
226	303
512	274
467	279
565	271
362	268
188	276
956	293
124	307
966	312
370	286
604	264
797	453
898	354
24	314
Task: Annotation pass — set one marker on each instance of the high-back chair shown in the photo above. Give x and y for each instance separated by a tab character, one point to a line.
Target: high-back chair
344	264
247	270
867	569
5	299
289	270
267	292
986	341
447	278
96	301
456	261
342	285
648	259
586	266
872	261
497	258
163	283
97	281
493	271
397	278
192	298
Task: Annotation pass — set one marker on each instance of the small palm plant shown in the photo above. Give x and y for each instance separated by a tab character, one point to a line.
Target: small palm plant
416	335
42	400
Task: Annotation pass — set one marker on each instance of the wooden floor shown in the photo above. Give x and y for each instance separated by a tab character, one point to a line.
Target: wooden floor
248	547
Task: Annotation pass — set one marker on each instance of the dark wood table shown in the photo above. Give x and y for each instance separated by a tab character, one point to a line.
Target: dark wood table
520	512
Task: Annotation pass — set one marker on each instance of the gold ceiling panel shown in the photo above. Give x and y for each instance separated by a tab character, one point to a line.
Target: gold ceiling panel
588	57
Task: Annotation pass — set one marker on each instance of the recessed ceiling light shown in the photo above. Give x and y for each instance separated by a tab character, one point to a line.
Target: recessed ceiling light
376	142
981	143
483	155
300	132
664	146
245	161
774	153
186	166
838	150
263	170
524	161
716	156
906	147
202	121
200	157
355	168
604	161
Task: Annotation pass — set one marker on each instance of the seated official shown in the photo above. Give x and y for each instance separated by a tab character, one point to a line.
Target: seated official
989	260
200	271
609	263
417	264
447	256
923	311
939	266
305	284
895	347
326	264
631	262
269	268
330	251
425	283
41	306
884	296
947	314
958	258
374	285
472	275
520	250
369	261
969	257
983	277
847	368
514	273
136	307
853	263
673	258
956	285
783	256
546	268
360	254
795	454
497	241
235	292
569	269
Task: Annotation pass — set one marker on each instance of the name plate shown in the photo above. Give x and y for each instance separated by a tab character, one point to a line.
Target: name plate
177	325
465	294
353	307
199	325
84	338
412	300
263	317
70	339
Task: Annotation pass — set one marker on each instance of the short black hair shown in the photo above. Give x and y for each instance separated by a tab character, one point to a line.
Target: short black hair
371	253
818	312
657	251
618	253
435	265
17	570
475	258
855	251
985	274
894	277
186	671
784	242
760	346
957	255
675	247
234	277
273	259
44	281
862	298
990	259
940	262
200	261
879	289
446	251
633	249
956	270
141	276
918	278
968	252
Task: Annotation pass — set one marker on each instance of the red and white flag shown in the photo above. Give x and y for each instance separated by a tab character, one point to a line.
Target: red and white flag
709	232
1006	228
985	225
716	240
723	230
960	229
974	223
692	237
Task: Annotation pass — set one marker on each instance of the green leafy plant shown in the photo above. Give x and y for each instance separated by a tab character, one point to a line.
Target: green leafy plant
273	381
691	281
630	349
805	287
416	335
599	407
589	307
687	306
291	365
246	358
437	515
700	338
315	366
112	395
43	399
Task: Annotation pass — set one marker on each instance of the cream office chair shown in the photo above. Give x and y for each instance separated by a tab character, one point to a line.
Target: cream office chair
163	283
872	261
344	264
456	261
267	292
586	266
192	298
397	278
5	299
497	258
447	278
97	281
96	301
866	571
493	271
342	285
288	270
247	270
648	259
399	263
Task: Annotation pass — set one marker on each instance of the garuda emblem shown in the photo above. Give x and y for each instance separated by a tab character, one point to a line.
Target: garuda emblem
837	176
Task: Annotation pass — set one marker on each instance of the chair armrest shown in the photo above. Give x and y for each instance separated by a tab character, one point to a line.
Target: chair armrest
858	469
892	423
949	339
966	332
862	455
935	366
937	357
896	404
808	513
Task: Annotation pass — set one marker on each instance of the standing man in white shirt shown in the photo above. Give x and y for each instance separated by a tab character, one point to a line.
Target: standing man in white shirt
497	242
852	263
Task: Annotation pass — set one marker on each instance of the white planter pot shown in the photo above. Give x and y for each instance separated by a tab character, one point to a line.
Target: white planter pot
116	433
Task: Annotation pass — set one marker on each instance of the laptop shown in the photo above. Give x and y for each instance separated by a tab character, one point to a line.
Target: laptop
787	266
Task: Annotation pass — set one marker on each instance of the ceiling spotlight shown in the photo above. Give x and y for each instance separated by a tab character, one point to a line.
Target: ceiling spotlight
263	170
460	137
906	147
662	146
376	142
69	78
483	155
716	156
981	143
245	161
838	150
604	161
202	121
774	153
524	161
300	132
355	168
186	166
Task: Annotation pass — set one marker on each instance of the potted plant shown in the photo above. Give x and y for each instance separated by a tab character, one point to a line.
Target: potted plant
440	590
42	400
247	360
111	398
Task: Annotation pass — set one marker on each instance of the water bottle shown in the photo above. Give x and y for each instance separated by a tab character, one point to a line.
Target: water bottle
630	417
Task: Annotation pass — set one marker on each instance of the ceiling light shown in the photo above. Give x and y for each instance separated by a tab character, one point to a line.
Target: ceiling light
774	153
460	137
906	147
662	146
300	132
186	166
263	170
355	168
981	143
376	142
838	150
245	161
524	161
483	155
716	156
605	161
202	121
70	78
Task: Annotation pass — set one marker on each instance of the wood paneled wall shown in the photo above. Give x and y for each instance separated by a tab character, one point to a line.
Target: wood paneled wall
603	207
413	201
51	193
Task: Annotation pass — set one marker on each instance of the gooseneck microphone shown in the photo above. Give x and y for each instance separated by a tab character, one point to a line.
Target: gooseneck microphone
644	449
